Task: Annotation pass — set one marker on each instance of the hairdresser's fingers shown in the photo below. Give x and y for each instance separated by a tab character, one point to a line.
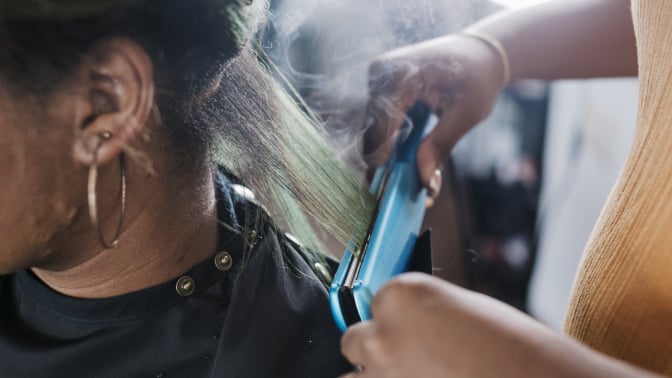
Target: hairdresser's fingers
394	87
358	372
361	343
381	132
435	184
435	151
386	115
459	107
431	159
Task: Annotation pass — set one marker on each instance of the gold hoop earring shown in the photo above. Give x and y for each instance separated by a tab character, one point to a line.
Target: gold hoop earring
93	199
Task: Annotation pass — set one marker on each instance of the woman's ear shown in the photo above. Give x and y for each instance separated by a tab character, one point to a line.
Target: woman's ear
114	99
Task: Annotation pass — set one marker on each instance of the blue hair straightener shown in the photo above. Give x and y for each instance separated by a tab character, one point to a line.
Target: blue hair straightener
392	245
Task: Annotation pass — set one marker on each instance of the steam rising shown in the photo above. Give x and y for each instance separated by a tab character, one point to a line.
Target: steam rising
324	47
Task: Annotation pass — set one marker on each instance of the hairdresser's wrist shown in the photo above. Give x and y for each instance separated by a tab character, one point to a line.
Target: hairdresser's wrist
501	56
566	39
494	29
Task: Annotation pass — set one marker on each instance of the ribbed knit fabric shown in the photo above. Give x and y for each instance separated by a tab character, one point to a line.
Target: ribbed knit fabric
622	302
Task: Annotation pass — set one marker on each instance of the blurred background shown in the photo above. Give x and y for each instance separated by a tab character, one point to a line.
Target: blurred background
522	191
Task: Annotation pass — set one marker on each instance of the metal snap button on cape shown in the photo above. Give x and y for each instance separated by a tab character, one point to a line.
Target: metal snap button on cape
223	261
185	286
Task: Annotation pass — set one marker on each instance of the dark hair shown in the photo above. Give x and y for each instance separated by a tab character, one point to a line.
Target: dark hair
215	97
191	43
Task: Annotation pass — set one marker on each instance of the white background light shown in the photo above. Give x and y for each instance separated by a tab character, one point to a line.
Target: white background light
516	3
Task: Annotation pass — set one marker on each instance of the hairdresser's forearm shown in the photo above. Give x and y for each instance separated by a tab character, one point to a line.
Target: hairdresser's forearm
555	360
567	39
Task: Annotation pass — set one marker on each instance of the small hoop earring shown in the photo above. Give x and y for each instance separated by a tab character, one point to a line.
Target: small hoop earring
93	199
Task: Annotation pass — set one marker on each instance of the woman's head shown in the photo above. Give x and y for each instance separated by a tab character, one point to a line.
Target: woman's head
189	44
71	70
173	80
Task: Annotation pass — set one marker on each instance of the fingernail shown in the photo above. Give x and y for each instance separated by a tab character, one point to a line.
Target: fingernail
434	182
433	185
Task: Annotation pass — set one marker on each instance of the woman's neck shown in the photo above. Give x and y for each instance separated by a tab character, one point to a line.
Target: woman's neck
171	226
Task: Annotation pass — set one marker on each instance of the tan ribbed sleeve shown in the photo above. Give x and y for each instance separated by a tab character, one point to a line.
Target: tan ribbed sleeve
622	302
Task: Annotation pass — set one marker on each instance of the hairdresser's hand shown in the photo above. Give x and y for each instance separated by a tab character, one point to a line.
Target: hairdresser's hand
459	77
425	327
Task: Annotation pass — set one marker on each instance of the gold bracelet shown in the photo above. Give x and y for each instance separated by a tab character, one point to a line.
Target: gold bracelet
494	44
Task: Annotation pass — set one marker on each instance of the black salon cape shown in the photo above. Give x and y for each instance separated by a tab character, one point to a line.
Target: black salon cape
272	320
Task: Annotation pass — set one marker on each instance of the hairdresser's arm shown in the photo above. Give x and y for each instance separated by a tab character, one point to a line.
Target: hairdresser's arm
460	77
567	39
424	327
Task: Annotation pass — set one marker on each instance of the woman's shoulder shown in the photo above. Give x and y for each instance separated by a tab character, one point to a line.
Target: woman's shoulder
280	304
279	300
250	218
